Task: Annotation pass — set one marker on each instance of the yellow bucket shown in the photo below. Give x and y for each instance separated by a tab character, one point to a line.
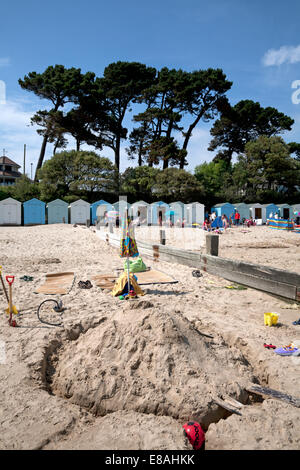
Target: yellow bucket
270	318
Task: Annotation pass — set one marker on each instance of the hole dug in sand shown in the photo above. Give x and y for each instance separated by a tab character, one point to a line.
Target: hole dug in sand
149	362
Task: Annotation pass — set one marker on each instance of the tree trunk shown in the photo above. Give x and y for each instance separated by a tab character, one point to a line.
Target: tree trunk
140	159
166	163
41	157
187	138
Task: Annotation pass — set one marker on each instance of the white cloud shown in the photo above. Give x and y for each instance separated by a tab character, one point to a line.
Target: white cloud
285	54
4	61
15	131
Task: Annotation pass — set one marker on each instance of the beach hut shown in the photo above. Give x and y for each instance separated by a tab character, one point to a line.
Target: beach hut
34	212
57	212
255	211
99	208
285	211
223	208
139	209
268	211
194	213
10	212
80	212
296	208
296	213
121	206
157	211
243	210
178	210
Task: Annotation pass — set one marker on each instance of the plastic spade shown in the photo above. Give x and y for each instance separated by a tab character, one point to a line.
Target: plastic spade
11	308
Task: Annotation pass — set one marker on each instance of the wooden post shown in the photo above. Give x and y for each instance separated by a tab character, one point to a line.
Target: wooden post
162	236
212	244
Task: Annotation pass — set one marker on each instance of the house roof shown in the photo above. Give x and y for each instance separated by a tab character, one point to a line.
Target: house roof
5	160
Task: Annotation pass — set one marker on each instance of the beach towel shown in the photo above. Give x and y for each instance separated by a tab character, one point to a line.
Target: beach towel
57	283
121	285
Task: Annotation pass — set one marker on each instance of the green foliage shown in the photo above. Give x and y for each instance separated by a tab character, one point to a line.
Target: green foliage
243	123
5	192
173	184
73	173
215	178
138	183
24	189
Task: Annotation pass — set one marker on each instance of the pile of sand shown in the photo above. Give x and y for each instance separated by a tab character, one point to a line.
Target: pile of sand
151	362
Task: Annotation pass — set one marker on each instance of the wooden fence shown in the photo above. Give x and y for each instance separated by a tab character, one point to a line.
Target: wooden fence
271	280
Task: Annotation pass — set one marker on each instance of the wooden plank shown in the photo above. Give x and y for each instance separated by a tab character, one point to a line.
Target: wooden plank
265	272
265	285
234	402
269	392
227	406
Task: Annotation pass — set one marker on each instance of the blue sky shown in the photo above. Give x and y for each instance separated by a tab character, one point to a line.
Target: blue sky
257	44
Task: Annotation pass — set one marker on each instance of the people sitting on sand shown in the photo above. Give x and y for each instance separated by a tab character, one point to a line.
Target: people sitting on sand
250	222
206	225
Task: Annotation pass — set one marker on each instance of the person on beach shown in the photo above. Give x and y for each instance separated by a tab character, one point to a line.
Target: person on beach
237	218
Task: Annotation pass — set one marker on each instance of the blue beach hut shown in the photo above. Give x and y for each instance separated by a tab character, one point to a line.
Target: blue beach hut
223	208
269	211
57	212
104	207
157	211
34	212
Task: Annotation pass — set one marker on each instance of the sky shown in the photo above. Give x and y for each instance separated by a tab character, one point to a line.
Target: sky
257	44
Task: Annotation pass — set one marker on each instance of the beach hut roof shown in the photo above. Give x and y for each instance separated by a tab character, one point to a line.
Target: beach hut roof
254	204
34	199
283	205
10	199
220	204
101	202
270	204
177	202
240	204
81	201
56	201
159	203
140	203
195	202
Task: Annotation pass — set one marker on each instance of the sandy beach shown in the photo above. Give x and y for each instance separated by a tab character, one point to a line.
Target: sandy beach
139	370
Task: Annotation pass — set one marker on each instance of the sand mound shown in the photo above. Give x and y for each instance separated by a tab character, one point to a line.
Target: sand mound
149	362
154	433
